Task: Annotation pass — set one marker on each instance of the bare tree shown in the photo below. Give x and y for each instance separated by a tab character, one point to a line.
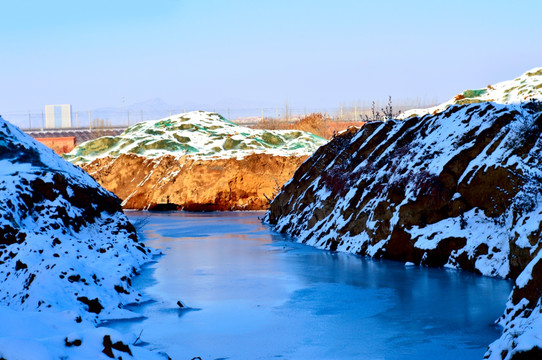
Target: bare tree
385	114
388	111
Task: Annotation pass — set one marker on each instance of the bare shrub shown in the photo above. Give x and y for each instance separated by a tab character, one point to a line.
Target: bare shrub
385	113
404	150
398	185
277	188
337	180
429	185
315	123
526	129
140	223
529	197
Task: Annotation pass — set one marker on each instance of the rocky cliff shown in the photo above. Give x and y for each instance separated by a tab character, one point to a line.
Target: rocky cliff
67	254
460	189
195	161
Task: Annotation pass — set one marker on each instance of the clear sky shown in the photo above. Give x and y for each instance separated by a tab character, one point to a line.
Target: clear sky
259	53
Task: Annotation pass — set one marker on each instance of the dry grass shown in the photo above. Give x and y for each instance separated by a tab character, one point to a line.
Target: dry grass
343	125
269	123
316	123
319	124
356	114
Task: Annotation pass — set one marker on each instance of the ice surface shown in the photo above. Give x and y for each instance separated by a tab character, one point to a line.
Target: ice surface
253	294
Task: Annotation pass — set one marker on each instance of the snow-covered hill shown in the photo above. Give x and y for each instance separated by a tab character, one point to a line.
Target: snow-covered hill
197	133
196	161
67	255
524	88
460	189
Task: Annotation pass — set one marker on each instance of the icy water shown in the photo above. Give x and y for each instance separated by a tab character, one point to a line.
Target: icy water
255	294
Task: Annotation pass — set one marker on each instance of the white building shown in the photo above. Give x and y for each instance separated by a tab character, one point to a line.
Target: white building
58	116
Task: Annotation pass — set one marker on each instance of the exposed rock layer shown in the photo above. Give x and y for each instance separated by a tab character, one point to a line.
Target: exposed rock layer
194	184
461	188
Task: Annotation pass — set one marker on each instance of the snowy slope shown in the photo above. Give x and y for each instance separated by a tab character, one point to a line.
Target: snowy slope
522	319
200	134
524	88
67	254
420	178
460	189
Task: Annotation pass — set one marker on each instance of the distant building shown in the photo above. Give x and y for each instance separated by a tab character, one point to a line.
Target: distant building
58	116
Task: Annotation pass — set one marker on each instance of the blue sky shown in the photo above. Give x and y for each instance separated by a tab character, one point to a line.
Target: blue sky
313	54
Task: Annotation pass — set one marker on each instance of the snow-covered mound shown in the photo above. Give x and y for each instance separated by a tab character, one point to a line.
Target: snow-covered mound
524	88
197	133
67	252
196	161
462	189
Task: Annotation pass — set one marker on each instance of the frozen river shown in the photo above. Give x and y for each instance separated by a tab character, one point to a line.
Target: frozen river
257	295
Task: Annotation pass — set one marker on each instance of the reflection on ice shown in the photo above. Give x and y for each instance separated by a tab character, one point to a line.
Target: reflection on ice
256	295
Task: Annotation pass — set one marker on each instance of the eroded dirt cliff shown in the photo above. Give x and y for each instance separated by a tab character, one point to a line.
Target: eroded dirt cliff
194	184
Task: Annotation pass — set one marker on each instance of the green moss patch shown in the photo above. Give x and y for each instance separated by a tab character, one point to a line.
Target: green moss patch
272	139
230	144
98	146
468	94
181	139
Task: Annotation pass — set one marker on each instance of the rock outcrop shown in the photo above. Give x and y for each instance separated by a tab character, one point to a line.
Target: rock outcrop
67	252
462	189
188	183
195	161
